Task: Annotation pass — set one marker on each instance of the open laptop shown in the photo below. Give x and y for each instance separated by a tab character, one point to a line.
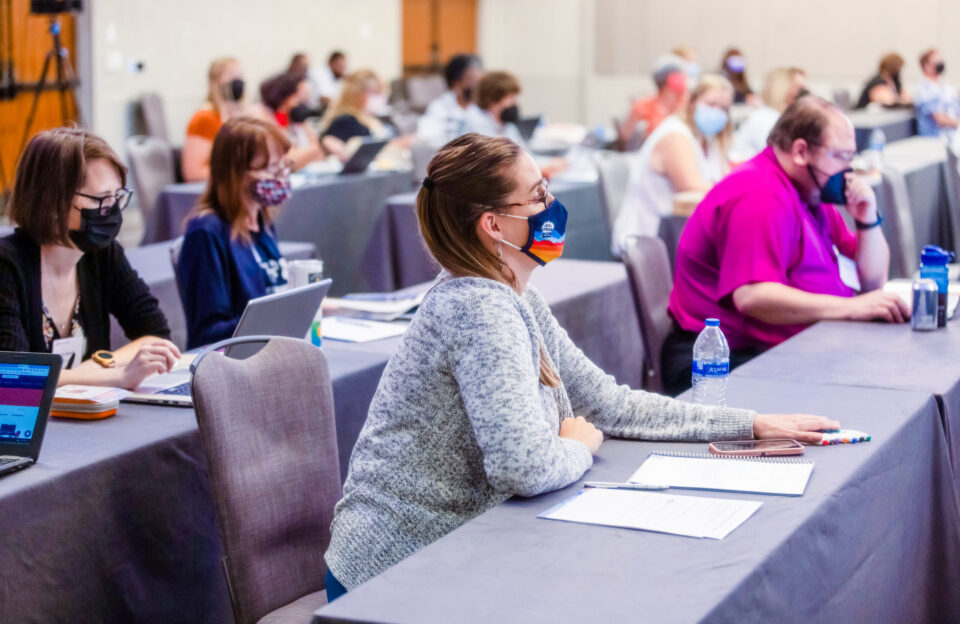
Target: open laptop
289	313
362	158
28	382
527	126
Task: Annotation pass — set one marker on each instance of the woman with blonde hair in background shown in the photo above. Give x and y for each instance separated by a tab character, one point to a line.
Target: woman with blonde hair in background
687	152
226	90
780	88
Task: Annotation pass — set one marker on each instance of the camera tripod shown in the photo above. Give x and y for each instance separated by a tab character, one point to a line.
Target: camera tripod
66	82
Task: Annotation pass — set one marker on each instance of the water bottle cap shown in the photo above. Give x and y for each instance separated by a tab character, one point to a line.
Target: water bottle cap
936	256
712	322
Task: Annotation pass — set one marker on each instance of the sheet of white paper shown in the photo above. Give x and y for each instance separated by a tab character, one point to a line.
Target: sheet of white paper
904	288
70	349
358	330
693	516
726	474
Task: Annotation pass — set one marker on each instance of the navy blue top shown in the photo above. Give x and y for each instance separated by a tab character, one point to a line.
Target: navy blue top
345	127
218	276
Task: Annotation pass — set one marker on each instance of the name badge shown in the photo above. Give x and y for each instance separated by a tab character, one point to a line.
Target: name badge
71	349
848	270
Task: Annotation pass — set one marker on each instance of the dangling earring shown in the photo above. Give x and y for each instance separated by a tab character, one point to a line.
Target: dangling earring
500	252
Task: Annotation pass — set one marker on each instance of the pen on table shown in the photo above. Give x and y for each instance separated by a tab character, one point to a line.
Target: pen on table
624	486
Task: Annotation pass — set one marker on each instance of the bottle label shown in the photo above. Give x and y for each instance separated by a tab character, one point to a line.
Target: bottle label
713	369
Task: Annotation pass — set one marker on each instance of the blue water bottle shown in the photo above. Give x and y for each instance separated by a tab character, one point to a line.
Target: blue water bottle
711	366
933	265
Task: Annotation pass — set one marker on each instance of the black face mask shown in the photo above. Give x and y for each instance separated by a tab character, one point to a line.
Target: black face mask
233	90
510	114
96	231
300	113
939	67
802	92
896	82
467	93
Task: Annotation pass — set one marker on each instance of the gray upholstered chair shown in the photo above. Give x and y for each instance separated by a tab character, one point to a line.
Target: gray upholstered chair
268	432
613	169
154	121
651	280
152	167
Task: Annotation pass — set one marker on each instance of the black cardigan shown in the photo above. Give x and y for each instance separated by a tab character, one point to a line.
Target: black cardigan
107	283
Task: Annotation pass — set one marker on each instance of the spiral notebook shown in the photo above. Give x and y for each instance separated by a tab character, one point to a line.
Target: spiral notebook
699	471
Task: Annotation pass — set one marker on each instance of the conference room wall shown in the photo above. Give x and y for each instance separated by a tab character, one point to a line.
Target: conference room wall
583	60
177	39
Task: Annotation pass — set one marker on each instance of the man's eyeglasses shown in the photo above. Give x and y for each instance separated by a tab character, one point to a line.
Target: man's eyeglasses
107	203
838	155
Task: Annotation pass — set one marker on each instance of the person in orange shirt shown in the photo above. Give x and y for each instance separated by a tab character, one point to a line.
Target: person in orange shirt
225	100
670	76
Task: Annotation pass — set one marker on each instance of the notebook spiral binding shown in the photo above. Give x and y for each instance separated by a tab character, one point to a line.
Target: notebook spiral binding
763	460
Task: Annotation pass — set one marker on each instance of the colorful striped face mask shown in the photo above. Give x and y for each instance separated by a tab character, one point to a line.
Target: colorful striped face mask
547	227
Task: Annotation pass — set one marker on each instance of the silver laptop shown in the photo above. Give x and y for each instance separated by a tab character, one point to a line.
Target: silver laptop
289	313
28	382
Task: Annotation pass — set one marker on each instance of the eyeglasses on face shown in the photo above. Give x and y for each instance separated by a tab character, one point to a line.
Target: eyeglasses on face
106	203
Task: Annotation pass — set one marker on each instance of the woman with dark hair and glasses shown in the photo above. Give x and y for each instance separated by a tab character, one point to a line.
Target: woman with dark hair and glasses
62	273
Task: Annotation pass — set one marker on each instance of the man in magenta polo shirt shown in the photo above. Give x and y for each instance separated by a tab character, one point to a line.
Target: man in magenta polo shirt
764	254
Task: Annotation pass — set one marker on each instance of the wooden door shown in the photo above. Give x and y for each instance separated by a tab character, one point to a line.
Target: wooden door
24	42
435	30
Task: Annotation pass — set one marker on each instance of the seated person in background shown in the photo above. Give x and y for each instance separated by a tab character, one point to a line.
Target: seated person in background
285	99
481	394
885	88
299	68
497	110
357	114
230	253
768	253
327	81
62	273
670	76
225	100
734	68
782	86
689	55
687	152
446	117
936	102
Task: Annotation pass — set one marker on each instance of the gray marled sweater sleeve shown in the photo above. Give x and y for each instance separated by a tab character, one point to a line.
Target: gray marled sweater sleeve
619	411
497	370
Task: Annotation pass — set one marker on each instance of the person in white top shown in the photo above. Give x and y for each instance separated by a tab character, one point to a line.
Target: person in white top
446	116
936	102
496	111
781	87
326	82
687	152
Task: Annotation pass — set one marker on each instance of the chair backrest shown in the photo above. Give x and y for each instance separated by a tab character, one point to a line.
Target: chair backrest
420	153
268	432
151	167
899	228
175	246
151	107
614	171
651	279
952	175
842	98
421	90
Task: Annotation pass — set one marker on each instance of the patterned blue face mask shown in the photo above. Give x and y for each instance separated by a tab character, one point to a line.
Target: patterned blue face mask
710	120
547	232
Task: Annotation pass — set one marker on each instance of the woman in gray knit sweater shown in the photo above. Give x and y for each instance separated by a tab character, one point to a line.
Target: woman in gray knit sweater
487	397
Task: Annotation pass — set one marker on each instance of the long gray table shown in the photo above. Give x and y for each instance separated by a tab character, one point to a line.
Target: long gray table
875	538
873	355
395	256
334	212
115	523
896	124
152	263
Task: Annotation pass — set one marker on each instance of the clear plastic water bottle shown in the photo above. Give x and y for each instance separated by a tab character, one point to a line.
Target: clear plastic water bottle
711	366
875	145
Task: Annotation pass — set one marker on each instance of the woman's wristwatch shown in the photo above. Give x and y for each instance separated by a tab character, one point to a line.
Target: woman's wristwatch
104	358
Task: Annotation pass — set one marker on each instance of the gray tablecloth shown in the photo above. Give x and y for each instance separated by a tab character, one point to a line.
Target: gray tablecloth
874	355
152	262
896	125
873	539
396	257
115	523
334	212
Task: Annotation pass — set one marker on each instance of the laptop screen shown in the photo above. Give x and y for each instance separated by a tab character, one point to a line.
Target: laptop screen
21	393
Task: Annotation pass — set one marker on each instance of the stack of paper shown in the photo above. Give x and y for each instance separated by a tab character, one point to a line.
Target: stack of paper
373	306
86	402
693	516
358	330
757	475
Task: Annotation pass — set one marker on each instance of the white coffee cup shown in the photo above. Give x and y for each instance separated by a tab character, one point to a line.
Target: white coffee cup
303	272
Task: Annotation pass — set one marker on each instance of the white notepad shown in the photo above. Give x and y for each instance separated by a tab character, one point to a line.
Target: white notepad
757	475
692	516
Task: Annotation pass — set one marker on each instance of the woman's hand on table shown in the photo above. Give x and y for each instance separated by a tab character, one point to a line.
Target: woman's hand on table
799	427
